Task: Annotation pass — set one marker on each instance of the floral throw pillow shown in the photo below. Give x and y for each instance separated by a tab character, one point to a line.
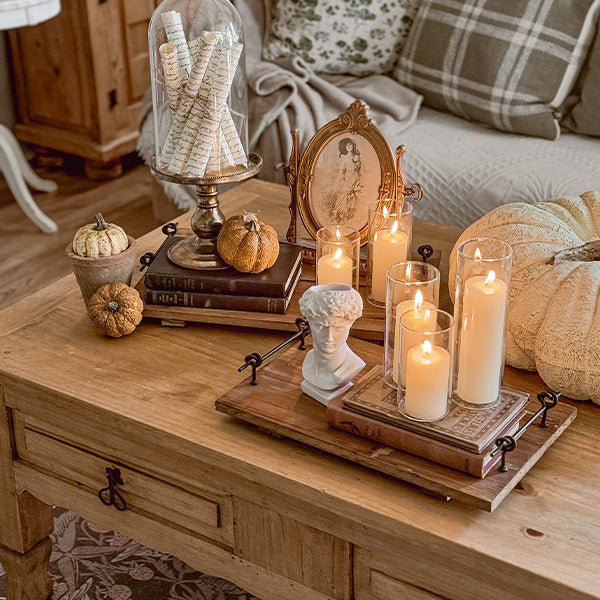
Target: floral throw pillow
353	37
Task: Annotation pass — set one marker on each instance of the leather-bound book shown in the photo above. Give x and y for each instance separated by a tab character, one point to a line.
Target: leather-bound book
164	275
462	440
243	302
478	464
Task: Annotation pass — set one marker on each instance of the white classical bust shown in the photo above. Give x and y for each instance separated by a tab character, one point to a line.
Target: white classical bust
330	366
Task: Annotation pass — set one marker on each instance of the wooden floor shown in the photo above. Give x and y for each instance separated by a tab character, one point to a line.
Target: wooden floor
30	259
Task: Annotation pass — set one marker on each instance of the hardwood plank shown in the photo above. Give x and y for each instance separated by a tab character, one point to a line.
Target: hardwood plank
299	552
30	259
25	520
27	574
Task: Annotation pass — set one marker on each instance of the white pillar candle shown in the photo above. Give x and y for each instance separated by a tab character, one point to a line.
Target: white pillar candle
389	246
480	356
334	268
423	319
427	377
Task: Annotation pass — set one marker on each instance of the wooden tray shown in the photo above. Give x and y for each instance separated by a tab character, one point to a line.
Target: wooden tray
370	326
279	406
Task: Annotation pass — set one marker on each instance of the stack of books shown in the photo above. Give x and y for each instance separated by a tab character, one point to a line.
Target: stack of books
462	440
270	291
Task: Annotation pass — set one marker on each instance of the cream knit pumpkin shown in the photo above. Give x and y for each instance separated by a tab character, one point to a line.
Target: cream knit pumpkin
553	323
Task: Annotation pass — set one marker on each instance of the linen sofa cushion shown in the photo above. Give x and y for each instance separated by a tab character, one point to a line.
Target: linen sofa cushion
584	116
352	37
509	65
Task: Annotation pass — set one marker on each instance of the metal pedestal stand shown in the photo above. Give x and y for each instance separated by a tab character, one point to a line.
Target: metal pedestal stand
199	251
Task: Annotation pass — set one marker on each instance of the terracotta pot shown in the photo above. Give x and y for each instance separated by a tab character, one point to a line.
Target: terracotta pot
91	273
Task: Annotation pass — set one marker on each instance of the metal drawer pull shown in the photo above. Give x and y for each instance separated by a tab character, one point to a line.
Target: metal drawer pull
114	498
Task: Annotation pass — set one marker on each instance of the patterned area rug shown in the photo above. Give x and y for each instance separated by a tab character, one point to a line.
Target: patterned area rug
88	563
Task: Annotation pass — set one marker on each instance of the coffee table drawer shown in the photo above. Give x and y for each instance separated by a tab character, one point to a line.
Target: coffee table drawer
208	514
374	580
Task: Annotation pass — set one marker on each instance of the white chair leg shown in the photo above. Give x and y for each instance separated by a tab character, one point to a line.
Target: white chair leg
30	176
11	159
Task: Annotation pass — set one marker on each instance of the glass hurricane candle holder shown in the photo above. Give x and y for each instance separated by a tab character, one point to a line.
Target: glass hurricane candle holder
426	389
409	285
390	233
480	307
338	255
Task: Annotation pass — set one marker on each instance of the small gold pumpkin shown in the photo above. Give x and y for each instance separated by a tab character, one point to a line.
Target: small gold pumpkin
115	309
100	239
247	244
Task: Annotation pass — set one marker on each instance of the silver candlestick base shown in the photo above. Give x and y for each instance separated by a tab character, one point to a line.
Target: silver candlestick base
199	251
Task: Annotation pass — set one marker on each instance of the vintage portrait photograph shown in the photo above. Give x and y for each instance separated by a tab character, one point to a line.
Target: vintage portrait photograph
346	178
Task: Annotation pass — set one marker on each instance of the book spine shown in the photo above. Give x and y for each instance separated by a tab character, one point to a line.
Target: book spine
163	282
216	301
410	442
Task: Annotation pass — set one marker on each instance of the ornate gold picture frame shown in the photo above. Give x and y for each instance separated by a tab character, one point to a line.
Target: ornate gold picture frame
346	165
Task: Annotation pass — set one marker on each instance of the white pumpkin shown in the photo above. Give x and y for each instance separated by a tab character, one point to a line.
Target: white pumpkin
553	323
100	239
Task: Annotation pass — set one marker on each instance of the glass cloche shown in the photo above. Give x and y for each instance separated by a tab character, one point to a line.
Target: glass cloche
199	90
200	106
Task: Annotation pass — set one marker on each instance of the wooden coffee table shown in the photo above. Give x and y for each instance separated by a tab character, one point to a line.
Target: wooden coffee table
280	519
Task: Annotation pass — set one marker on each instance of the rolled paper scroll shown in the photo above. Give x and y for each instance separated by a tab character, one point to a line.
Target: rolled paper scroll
233	139
187	97
212	98
206	45
185	142
176	35
193	46
220	155
227	158
170	65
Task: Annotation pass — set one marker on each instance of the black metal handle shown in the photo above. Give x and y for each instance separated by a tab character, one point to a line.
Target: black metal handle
255	359
508	443
170	229
425	251
113	475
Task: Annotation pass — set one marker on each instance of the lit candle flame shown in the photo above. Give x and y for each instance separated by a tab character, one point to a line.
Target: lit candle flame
337	254
478	256
338	235
491	276
394	228
418	299
427	347
385	211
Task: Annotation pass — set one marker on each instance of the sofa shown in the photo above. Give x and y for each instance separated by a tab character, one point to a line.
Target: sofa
486	115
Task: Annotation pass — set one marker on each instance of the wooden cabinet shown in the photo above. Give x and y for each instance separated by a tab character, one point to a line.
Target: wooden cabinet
79	79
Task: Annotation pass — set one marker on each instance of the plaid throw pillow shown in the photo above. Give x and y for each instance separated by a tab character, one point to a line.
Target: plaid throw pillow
507	63
584	115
